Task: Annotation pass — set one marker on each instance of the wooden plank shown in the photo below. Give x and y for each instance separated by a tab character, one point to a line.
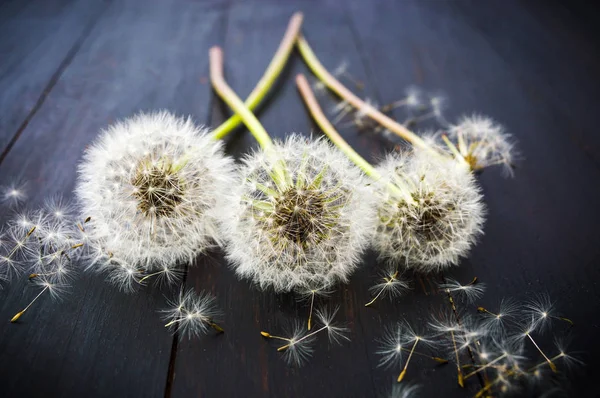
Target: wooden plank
241	361
37	41
99	341
540	234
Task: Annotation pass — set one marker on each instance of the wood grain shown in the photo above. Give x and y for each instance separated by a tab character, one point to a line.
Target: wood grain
100	341
39	39
69	68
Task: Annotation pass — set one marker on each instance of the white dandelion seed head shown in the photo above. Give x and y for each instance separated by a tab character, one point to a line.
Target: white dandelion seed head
154	187
306	229
435	219
484	143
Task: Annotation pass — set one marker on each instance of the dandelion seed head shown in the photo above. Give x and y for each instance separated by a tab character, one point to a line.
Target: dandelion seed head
154	187
437	217
485	143
308	230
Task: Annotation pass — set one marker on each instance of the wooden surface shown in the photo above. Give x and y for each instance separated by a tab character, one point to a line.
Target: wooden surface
69	68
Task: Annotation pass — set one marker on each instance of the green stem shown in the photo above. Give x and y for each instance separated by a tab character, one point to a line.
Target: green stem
271	73
236	104
334	85
322	121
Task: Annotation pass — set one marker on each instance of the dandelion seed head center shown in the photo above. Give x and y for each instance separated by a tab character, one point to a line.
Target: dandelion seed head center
157	188
302	215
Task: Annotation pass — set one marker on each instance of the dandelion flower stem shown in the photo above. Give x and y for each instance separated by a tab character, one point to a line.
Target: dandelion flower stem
236	104
231	98
18	314
334	136
454	150
334	85
550	363
271	73
282	348
412	350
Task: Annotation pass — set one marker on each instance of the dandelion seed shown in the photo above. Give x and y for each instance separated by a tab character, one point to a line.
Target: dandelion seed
192	314
541	310
13	194
59	209
393	346
413	99
409	337
526	334
449	325
498	322
405	390
54	289
470	292
309	294
391	285
298	348
169	274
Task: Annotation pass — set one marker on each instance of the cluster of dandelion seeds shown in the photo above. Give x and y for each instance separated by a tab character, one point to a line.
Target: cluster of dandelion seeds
499	348
304	228
435	216
299	347
44	244
154	187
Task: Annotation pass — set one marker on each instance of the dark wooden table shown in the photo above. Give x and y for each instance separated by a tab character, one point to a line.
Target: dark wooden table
69	68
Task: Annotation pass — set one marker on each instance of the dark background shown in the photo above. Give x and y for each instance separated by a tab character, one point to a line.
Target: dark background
69	68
